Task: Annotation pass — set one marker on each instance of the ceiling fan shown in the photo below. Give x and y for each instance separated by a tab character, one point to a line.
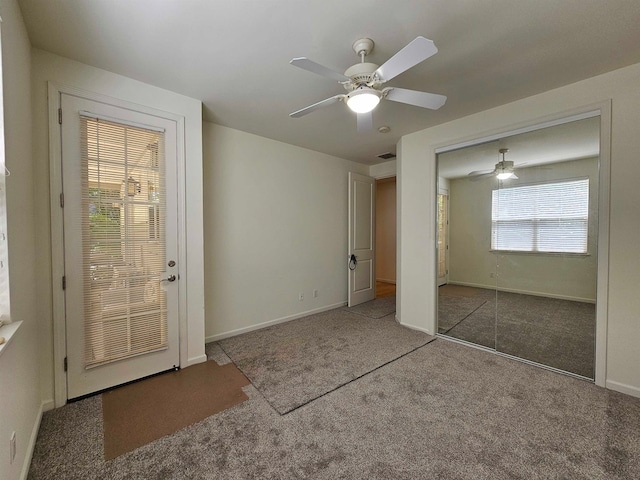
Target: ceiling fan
502	171
363	81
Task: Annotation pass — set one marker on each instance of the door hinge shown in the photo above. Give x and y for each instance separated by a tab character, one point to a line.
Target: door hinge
62	200
60	116
65	364
64	282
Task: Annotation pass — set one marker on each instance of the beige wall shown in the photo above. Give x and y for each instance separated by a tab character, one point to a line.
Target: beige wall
64	72
20	404
386	230
471	262
416	169
275	226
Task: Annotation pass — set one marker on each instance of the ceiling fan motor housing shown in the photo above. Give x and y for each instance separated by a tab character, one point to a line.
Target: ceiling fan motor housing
361	74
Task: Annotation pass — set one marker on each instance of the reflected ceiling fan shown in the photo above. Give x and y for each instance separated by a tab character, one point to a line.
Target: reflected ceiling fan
363	81
503	170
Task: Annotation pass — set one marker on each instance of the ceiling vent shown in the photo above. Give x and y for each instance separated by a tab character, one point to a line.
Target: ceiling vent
387	156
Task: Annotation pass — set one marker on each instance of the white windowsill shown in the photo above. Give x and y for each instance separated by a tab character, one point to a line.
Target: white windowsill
8	332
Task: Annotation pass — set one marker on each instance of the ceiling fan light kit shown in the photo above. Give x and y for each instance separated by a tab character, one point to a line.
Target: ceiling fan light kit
363	81
363	100
504	169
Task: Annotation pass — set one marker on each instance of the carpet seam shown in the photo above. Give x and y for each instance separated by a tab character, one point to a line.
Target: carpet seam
463	319
330	391
354	379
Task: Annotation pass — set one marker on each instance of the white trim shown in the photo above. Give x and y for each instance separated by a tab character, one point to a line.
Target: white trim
413	327
603	110
32	443
8	332
120	121
623	388
384	175
525	292
48	404
517	131
55	90
196	360
233	333
602	288
57	248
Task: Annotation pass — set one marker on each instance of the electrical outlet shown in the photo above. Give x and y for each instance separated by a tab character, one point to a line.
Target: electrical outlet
315	294
12	447
300	296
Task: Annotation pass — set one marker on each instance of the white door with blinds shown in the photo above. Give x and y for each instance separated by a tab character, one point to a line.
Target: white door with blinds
120	243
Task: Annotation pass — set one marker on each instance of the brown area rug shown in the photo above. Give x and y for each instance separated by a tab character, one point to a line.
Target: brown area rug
142	412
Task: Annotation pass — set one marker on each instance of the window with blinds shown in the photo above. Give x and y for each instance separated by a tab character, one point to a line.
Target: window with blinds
123	232
547	217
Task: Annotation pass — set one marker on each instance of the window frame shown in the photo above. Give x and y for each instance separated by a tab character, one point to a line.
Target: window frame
536	221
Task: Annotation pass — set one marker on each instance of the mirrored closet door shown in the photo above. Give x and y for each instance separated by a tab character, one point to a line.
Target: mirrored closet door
521	243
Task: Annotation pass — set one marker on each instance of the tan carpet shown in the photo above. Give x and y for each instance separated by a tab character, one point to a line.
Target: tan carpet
142	412
296	362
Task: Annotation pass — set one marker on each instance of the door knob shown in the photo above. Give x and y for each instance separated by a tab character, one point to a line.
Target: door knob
171	278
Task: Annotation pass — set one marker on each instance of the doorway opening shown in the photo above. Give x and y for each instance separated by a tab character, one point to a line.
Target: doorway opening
385	237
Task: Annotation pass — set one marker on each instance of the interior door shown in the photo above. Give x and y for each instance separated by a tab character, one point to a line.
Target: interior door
120	244
443	232
362	203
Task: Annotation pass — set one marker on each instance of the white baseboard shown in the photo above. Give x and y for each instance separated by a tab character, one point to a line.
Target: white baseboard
419	329
384	280
32	441
48	405
622	388
258	326
525	292
195	360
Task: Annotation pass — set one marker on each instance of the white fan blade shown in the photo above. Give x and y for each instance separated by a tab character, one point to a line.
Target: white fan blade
365	122
315	106
475	178
415	52
313	67
419	99
480	172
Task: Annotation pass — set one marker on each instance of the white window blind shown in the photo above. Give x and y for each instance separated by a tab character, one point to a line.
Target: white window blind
123	232
548	217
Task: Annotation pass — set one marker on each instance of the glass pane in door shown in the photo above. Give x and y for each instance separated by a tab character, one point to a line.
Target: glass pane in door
123	235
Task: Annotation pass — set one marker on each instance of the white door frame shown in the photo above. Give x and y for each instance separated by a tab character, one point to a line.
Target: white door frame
57	225
602	110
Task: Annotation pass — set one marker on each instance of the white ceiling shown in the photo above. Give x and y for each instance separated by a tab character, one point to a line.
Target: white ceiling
560	143
234	55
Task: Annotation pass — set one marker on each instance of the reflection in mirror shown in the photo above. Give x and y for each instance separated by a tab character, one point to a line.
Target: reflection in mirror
520	253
